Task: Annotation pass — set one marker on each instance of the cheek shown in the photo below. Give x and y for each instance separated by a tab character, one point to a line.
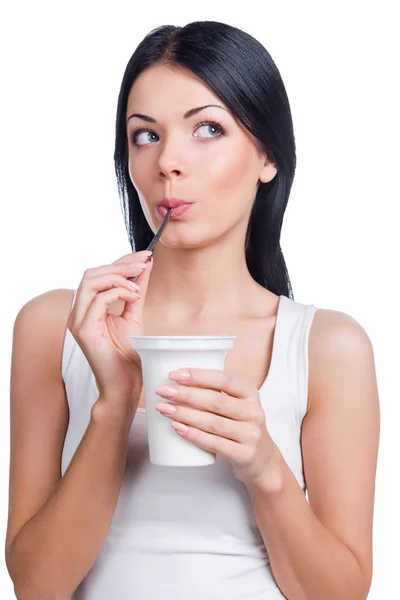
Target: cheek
231	169
140	181
134	174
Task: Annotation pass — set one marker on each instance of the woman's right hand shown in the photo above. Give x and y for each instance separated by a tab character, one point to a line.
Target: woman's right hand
103	337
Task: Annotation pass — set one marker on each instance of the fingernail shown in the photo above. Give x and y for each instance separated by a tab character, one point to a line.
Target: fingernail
166	408
179	375
170	391
179	427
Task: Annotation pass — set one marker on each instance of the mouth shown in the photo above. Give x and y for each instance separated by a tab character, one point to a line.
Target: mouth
178	207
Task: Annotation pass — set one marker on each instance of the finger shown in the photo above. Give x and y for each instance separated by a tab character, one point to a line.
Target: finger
135	309
237	431
107	281
143	254
95	316
216	379
121	264
91	284
230	450
121	267
238	409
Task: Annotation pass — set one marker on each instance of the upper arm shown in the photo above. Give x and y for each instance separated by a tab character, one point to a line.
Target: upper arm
340	433
38	406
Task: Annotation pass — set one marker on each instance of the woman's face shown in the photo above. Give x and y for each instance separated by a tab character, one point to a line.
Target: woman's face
216	165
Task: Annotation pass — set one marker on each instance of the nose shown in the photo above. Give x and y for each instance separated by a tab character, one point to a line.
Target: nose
171	175
170	160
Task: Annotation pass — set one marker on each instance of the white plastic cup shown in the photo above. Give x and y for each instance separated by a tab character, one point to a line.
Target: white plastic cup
160	355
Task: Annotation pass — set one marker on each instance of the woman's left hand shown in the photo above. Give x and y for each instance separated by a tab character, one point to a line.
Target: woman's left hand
231	423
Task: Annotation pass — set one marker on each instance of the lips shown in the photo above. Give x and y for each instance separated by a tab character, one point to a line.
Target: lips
173	202
179	207
177	211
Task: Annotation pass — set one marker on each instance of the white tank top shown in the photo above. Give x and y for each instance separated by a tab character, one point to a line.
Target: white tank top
182	533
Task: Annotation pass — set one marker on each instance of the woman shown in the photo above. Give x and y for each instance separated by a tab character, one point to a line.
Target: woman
202	117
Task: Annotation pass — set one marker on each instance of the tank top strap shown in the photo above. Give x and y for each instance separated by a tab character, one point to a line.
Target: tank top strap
290	350
69	343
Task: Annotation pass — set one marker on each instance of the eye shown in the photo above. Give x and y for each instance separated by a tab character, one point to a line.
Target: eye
134	136
209	125
149	135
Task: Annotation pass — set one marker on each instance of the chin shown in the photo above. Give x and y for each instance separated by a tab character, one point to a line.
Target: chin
185	239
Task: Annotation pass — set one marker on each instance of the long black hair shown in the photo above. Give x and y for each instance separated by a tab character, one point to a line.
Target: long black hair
240	71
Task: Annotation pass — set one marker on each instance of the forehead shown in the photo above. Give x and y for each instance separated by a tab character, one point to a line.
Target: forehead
173	87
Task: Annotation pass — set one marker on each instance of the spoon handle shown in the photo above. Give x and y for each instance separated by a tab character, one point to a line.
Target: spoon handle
155	239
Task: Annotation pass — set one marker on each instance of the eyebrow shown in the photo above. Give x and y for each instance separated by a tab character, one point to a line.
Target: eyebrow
187	115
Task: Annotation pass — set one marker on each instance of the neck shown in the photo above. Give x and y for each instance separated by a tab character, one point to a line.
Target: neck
202	284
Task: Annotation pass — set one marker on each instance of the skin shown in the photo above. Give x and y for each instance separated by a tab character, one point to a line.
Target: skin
220	174
199	267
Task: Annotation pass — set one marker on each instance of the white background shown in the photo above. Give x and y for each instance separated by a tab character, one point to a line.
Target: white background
61	70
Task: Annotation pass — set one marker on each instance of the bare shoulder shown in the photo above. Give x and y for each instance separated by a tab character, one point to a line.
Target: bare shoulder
45	318
44	312
38	405
340	432
49	300
338	343
333	326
